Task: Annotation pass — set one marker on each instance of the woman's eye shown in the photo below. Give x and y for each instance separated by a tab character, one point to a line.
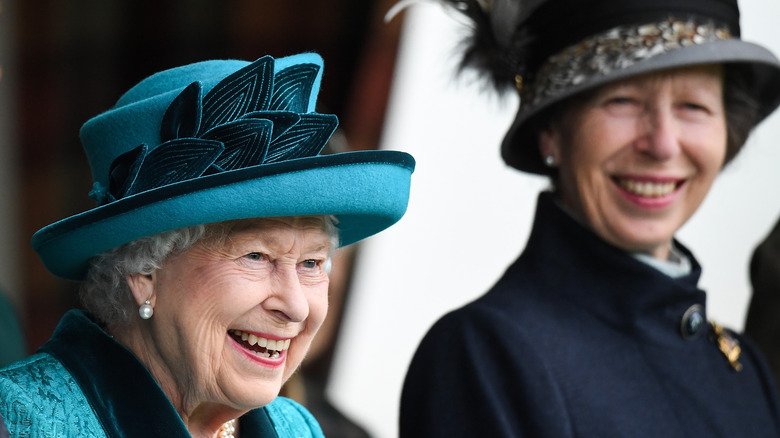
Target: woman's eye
694	106
622	100
309	264
698	110
623	106
311	269
255	256
253	261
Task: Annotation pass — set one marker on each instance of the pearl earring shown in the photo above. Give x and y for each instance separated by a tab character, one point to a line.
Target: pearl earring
146	310
549	161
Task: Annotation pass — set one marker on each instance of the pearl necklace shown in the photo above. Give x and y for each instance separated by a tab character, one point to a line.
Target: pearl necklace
227	429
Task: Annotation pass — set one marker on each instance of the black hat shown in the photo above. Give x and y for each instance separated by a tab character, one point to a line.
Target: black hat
554	49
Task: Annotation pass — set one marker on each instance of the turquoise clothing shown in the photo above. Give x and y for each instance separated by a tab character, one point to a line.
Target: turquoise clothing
83	383
11	337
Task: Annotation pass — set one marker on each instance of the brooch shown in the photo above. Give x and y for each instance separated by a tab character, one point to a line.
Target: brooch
728	345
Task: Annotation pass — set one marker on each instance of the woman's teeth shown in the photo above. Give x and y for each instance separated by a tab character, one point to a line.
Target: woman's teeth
268	348
647	188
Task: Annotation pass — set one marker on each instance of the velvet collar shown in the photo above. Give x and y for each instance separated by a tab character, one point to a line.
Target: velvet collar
126	398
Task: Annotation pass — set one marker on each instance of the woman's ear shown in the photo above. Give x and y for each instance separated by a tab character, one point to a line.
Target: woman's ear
142	287
549	146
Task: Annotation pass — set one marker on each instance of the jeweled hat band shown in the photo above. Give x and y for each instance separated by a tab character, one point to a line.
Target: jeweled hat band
615	49
558	24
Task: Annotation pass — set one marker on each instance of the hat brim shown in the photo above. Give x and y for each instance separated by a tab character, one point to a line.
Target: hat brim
520	150
366	191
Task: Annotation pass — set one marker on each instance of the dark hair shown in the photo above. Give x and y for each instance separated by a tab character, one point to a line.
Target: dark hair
743	110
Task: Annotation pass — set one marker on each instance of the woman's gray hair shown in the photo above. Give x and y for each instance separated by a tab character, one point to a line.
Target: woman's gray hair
105	293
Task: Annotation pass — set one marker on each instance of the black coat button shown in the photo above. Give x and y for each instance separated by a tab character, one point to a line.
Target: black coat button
693	323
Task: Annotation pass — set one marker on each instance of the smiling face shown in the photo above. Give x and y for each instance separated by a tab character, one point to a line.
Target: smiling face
637	157
235	316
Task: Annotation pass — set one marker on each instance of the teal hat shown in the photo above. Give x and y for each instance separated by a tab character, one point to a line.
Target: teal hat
216	141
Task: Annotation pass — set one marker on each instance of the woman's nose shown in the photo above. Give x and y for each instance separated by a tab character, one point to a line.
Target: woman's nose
287	299
659	134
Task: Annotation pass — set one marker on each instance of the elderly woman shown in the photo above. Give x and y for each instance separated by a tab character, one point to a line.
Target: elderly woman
598	329
205	264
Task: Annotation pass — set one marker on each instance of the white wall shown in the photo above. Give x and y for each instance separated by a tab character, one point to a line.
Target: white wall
469	215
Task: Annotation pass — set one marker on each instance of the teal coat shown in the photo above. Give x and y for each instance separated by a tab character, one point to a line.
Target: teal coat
11	336
83	383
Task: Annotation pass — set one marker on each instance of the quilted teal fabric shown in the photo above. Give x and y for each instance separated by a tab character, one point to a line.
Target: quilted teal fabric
40	398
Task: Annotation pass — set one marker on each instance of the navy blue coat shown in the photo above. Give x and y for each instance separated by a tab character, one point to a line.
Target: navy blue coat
579	339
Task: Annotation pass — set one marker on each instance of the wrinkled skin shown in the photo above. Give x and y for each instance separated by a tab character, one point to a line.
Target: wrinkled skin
266	278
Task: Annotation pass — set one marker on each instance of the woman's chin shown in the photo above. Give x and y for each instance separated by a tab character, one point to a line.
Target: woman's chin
655	246
252	396
253	386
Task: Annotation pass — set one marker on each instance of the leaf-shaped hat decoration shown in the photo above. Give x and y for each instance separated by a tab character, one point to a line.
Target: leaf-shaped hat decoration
246	143
245	91
252	117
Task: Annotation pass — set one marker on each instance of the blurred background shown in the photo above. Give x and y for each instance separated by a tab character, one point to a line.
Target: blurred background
393	86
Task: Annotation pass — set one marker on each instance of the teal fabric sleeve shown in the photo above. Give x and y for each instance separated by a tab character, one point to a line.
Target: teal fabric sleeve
293	420
11	336
39	398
